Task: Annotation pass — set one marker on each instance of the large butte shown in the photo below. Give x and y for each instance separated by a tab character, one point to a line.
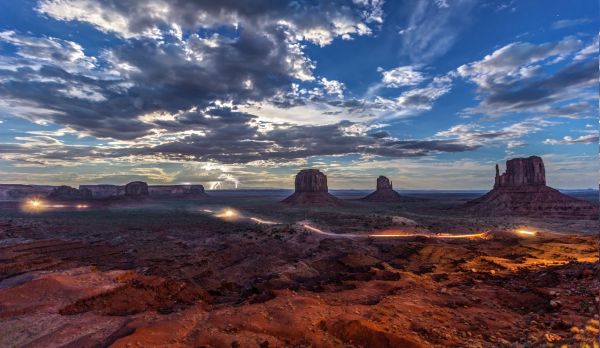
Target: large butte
311	188
521	190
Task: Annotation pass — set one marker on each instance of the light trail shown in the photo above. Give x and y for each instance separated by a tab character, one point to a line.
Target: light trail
231	214
526	232
265	222
396	235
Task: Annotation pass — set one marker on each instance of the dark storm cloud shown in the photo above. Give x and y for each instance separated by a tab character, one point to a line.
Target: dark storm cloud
233	144
535	92
140	18
241	142
160	78
157	70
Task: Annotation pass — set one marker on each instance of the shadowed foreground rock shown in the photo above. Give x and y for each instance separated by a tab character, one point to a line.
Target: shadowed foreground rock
384	192
311	188
522	190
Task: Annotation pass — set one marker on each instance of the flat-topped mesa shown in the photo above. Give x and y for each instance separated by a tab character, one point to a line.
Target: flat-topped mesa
522	172
68	193
522	191
384	192
176	191
310	180
104	191
311	188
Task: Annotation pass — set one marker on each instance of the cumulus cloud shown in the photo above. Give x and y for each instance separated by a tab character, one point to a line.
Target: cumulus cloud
318	22
42	50
401	76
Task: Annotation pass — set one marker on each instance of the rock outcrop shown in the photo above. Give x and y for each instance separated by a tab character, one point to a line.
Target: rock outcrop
522	191
167	191
384	192
68	193
136	189
311	188
104	191
15	192
522	172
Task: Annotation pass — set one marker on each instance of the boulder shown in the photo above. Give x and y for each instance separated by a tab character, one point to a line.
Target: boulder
521	190
68	193
136	189
384	192
311	188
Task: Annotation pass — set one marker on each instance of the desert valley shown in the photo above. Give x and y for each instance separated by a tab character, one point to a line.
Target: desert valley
175	266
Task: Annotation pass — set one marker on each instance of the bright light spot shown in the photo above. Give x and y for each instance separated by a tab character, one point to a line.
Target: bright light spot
207	210
526	232
34	205
227	214
81	206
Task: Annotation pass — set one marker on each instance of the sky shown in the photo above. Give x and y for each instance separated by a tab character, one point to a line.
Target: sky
244	94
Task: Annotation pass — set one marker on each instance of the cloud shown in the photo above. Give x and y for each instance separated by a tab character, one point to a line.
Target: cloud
515	78
589	50
473	134
563	85
566	23
568	140
41	50
237	140
176	57
434	27
401	76
515	61
332	87
318	22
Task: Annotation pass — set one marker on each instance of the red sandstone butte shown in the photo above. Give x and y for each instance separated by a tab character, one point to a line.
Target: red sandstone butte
521	190
311	188
384	192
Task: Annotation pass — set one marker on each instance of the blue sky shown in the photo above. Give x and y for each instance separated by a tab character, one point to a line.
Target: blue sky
245	93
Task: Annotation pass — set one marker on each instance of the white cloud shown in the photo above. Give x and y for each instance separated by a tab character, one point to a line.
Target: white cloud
515	61
401	76
333	87
568	140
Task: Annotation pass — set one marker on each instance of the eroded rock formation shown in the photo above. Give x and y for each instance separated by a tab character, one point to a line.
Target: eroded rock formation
311	188
522	190
176	190
12	192
522	172
104	191
68	193
384	192
136	189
